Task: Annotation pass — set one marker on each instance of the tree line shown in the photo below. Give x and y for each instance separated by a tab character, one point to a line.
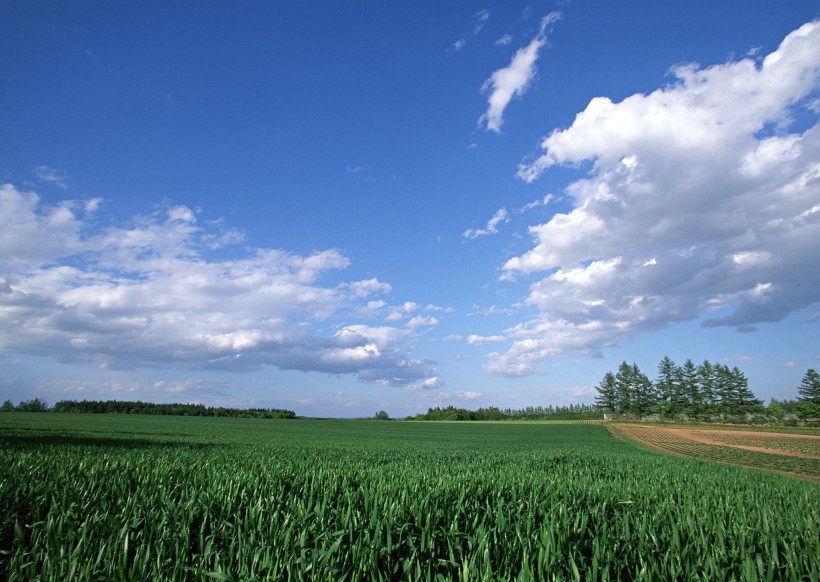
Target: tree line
706	391
570	412
138	407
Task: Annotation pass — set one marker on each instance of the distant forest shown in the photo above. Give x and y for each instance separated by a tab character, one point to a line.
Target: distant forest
570	412
137	407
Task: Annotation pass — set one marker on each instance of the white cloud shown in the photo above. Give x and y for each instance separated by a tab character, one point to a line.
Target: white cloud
148	295
514	79
31	233
499	217
467	395
50	176
474	339
479	21
536	203
440	397
367	288
422	321
504	40
700	201
427	384
481	18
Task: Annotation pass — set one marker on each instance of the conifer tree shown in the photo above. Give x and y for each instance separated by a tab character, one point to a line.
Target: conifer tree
808	406
623	389
666	386
607	393
690	389
707	382
645	400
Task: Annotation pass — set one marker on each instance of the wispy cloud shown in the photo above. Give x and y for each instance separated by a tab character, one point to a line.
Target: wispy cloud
693	208
479	21
49	175
499	217
514	79
481	18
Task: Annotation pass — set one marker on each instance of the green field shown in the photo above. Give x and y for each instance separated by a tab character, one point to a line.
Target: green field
107	497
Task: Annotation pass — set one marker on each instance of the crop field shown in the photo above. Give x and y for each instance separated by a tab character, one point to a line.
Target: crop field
118	497
795	454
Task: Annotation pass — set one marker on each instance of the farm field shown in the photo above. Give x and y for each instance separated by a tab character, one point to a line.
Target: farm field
119	497
793	453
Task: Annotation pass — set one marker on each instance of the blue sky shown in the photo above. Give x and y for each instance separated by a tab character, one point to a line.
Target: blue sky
338	208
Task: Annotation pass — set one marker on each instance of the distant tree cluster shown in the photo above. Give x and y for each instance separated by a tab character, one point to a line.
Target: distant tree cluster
33	405
570	412
176	409
692	391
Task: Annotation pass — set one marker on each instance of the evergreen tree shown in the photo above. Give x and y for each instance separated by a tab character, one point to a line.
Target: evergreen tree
623	389
644	392
808	406
735	396
747	403
666	386
634	392
725	390
707	383
691	397
607	393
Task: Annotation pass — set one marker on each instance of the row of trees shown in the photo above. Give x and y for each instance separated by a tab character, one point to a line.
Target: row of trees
138	407
570	412
33	405
706	391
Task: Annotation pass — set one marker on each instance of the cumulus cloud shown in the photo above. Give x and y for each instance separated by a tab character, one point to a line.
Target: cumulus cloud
427	384
148	295
702	200
514	79
499	217
422	321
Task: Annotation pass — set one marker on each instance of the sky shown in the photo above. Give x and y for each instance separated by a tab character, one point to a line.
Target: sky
345	207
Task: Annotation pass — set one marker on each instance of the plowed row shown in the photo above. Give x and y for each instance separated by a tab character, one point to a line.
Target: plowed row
797	455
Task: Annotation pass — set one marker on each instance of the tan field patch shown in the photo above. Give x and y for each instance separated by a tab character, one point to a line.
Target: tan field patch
805	446
793	454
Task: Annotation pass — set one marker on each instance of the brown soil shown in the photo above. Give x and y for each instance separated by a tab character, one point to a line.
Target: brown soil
703	436
715	437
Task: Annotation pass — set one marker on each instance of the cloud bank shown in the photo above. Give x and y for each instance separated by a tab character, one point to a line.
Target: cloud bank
150	294
703	201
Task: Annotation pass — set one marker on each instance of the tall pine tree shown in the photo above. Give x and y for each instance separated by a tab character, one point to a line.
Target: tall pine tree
666	384
607	394
808	407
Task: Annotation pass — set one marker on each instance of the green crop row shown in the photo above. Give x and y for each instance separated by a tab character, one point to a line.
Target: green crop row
157	498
